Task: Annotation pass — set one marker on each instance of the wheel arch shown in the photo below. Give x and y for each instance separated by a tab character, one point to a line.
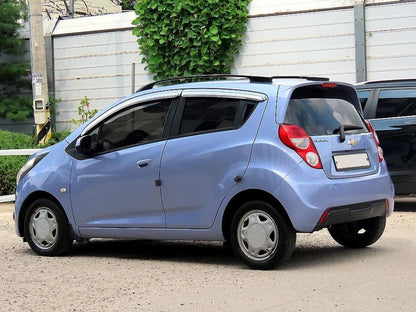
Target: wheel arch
28	201
245	196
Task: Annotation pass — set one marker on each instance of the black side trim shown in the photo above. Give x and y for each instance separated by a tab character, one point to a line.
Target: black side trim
349	213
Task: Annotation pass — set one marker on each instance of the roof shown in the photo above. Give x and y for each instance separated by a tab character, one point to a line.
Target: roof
107	22
386	83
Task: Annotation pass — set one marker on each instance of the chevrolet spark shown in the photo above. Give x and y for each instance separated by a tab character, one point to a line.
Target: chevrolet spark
249	161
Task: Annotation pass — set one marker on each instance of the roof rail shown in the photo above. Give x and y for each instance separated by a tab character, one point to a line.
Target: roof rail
229	76
301	77
205	76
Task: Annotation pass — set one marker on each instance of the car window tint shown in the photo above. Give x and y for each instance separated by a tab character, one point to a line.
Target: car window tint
321	116
212	114
396	103
363	96
135	125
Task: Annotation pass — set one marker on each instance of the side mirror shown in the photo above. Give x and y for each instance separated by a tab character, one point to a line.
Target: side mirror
83	145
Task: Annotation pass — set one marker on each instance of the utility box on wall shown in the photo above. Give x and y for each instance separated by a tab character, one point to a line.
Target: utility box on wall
39	111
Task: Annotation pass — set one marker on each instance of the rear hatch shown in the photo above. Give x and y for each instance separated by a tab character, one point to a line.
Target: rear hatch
330	114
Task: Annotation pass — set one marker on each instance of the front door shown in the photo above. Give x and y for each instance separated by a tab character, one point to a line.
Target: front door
117	188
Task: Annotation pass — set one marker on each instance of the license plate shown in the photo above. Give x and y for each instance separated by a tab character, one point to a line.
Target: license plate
351	161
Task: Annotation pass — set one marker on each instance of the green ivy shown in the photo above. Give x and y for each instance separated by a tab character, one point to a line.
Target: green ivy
189	37
128	4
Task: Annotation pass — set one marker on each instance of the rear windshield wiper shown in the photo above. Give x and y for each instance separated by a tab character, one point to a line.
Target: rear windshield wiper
342	128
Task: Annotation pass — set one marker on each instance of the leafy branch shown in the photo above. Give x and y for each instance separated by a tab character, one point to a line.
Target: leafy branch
84	112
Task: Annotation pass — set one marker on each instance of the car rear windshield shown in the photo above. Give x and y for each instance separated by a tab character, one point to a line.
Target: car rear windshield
322	112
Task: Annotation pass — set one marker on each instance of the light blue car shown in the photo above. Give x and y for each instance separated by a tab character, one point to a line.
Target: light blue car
246	160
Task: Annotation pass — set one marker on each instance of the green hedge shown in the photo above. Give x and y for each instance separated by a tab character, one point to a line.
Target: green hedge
10	165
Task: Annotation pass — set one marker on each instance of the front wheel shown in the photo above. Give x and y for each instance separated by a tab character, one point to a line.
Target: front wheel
260	236
358	234
46	228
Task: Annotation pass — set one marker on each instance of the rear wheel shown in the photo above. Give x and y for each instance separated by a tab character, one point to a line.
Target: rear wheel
358	234
260	236
46	228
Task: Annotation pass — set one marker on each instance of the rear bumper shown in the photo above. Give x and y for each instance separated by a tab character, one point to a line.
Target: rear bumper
306	201
349	213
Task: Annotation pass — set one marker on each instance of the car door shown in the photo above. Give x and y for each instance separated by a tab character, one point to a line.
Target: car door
116	187
208	152
394	120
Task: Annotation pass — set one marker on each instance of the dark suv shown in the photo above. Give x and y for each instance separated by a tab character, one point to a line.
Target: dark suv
390	106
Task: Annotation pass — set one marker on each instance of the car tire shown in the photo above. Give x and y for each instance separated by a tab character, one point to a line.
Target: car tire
261	236
358	234
46	228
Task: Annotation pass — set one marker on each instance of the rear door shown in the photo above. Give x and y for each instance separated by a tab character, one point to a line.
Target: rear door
209	149
331	117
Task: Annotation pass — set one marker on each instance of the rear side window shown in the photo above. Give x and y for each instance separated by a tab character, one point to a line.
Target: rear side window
322	113
396	103
214	114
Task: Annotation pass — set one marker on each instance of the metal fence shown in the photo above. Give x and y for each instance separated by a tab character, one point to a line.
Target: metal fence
15	152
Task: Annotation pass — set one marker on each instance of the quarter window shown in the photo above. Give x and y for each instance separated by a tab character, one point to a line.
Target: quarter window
134	125
363	96
396	103
214	114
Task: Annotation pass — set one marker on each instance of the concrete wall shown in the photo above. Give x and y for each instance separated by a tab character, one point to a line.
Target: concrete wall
266	7
318	43
93	57
391	41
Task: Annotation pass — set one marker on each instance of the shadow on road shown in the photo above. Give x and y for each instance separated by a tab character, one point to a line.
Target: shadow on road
212	253
405	204
176	251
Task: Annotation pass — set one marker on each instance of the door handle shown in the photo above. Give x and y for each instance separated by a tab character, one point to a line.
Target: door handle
144	163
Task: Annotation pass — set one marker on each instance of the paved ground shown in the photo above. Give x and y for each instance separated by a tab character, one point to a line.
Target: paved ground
160	276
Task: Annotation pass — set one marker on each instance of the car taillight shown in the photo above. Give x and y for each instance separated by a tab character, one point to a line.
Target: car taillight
296	138
329	85
379	149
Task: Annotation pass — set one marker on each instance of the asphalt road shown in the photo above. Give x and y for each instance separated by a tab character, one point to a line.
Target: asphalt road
108	275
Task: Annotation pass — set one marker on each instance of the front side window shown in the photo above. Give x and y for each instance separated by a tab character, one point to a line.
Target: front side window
214	114
396	103
135	125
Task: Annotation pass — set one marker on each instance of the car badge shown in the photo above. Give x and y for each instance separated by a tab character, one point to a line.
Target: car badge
352	142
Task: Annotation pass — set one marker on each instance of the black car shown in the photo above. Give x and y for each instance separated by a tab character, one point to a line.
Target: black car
390	106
